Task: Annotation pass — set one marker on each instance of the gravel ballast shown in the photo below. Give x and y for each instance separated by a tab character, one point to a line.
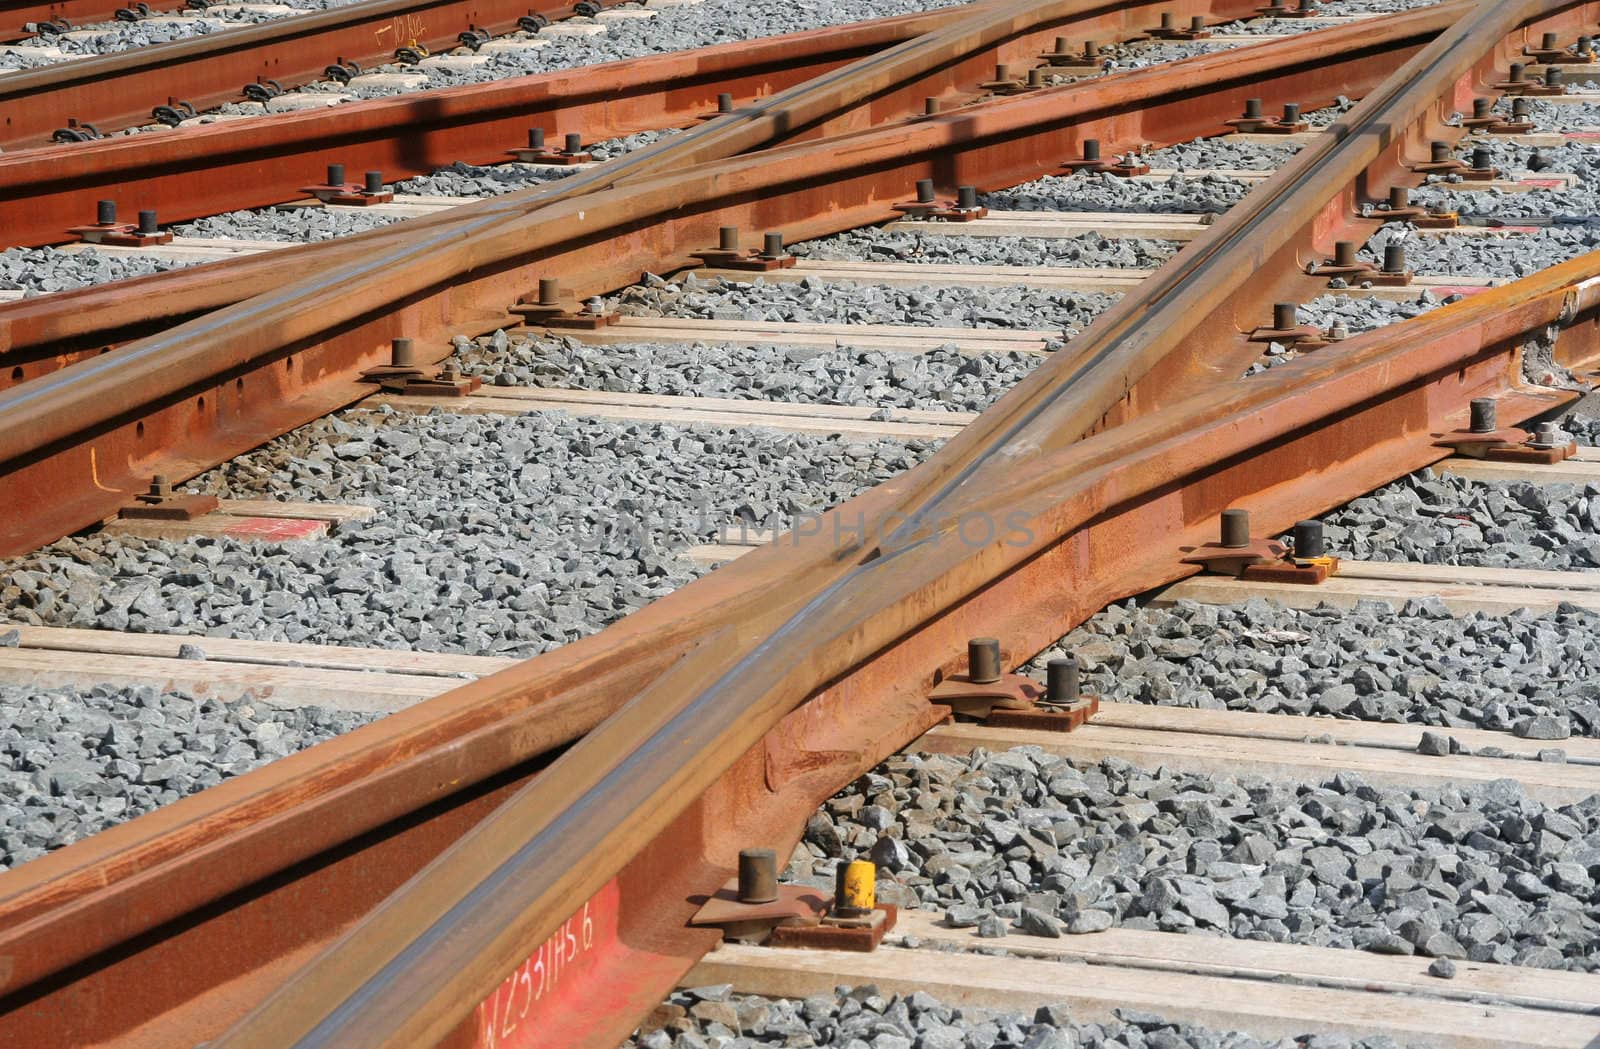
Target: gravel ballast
1058	848
1087	251
865	1018
76	761
1537	676
502	535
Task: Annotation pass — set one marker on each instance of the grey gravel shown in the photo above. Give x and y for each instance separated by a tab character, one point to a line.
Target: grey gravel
940	378
1442	519
1481	872
1534	674
76	761
1505	257
865	1017
1177	194
495	534
1087	251
810	300
39	271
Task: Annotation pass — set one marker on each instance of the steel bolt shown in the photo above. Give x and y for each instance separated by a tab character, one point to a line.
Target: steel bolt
1291	112
147	222
1483	415
595	305
1168	21
1284	315
450	371
855	888
1002	73
1481	107
1197	23
1521	108
1235	529
374	183
772	246
1585	44
983	660
1394	257
1553	77
1306	5
1252	109
1091	149
967	198
1308	539
1062	45
930	105
1482	158
536	138
1061	681
1441	152
335	174
402	354
1091	49
925	191
758	875
1515	75
1547	42
1036	77
1548	435
1338	333
1399	198
728	238
1344	253
724	102
105	213
573	143
160	486
549	291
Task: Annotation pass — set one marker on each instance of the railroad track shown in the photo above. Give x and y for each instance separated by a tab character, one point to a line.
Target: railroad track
518	859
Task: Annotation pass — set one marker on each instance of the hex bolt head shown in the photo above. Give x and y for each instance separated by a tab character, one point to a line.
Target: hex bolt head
105	213
595	305
160	486
1399	198
536	138
925	191
1291	112
966	198
573	142
1284	315
758	875
1548	435
402	353
1481	108
1308	539
1521	108
1091	149
724	102
1252	109
1482	158
1338	333
728	238
1061	686
374	183
983	660
1483	415
549	291
1235	529
147	222
772	246
1344	253
335	174
1553	77
1394	257
450	371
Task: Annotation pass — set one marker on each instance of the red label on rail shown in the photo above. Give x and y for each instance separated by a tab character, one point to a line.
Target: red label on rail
555	980
1543	183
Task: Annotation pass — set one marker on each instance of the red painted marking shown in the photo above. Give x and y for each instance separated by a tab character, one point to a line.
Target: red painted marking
276	528
1583	136
1543	183
1441	290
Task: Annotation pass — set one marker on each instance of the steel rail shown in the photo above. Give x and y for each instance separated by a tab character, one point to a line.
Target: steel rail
242	164
135	416
120	90
407	974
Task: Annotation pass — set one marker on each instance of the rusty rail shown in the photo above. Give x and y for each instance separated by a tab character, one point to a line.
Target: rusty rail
118	418
737	732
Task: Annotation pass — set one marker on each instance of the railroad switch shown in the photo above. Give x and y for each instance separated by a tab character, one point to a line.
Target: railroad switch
403	375
161	503
337	191
1485	120
1518	83
1301	9
537	152
1440	162
1265	560
1284	329
107	230
1015	700
551	310
1169	29
1549	51
728	255
964	208
1063	57
1485	439
1256	122
1398	208
1352	270
756	908
1125	166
